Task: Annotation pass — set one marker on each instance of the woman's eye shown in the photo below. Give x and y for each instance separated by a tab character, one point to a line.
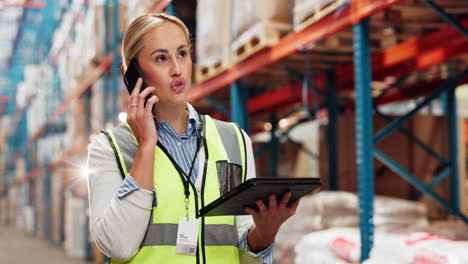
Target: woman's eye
160	58
182	54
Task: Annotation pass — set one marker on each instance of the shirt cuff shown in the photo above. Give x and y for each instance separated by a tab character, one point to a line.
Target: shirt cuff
265	256
129	185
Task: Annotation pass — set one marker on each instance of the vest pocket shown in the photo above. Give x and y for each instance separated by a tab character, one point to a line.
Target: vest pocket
229	175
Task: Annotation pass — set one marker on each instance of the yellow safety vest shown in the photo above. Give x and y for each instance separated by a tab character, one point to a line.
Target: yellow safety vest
224	145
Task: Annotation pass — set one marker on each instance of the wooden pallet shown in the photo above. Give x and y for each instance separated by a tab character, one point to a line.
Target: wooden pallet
317	13
203	73
258	37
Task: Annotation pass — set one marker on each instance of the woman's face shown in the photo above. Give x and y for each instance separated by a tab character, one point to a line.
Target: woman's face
166	63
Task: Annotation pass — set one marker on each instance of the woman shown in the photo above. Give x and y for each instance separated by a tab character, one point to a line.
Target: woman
177	161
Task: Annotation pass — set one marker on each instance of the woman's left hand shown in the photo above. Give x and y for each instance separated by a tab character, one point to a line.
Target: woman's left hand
268	220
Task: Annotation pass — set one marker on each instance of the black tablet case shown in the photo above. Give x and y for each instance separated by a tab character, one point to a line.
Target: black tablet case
245	194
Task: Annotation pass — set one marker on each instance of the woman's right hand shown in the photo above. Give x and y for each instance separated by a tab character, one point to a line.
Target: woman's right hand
140	117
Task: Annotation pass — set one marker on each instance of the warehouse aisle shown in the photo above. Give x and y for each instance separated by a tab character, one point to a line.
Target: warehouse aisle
18	248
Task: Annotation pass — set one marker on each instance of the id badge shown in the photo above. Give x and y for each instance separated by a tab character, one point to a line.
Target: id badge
187	236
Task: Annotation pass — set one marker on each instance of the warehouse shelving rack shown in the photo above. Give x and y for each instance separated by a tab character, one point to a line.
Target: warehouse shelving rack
421	53
404	58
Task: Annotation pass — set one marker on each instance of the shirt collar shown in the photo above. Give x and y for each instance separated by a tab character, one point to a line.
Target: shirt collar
192	121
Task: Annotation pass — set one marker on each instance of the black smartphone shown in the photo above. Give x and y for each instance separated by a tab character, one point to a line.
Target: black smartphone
131	77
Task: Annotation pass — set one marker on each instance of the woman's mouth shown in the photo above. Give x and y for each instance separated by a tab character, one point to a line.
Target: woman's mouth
178	85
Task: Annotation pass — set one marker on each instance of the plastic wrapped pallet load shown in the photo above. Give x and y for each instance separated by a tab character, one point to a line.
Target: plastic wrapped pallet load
74	226
328	209
258	24
213	38
306	12
342	245
137	8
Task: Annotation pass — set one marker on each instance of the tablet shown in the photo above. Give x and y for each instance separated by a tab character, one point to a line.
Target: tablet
245	194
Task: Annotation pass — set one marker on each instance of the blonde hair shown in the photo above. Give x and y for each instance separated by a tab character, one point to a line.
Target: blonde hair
131	43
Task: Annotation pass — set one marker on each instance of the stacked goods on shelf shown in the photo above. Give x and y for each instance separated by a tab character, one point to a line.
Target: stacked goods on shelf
39	81
42	204
97	109
329	210
4	210
138	8
32	77
298	155
39	205
12	206
57	205
257	24
74	226
4	125
306	12
431	130
75	135
307	135
49	148
213	38
342	245
75	193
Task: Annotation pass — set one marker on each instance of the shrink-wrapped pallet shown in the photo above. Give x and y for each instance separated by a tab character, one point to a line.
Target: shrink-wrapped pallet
137	8
102	18
329	209
76	124
74	226
213	38
257	24
57	205
97	106
306	12
343	245
5	123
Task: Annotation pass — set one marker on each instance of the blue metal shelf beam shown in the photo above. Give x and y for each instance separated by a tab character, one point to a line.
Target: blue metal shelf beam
446	17
393	165
415	140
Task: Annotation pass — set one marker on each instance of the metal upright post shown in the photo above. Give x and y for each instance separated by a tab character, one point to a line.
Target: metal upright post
364	132
105	76
273	146
451	112
239	93
239	111
170	9
333	180
115	60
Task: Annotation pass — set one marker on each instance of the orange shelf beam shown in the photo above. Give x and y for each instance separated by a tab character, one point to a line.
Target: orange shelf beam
159	6
24	4
4	99
407	57
412	55
291	43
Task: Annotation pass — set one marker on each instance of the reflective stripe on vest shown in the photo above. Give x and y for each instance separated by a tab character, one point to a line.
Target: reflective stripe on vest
219	235
218	241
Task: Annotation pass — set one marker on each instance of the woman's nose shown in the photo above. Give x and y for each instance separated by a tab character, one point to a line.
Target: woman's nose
175	69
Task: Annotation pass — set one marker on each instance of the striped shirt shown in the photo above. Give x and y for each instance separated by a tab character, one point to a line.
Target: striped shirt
182	149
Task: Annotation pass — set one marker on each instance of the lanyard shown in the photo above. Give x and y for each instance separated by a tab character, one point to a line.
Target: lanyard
186	180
